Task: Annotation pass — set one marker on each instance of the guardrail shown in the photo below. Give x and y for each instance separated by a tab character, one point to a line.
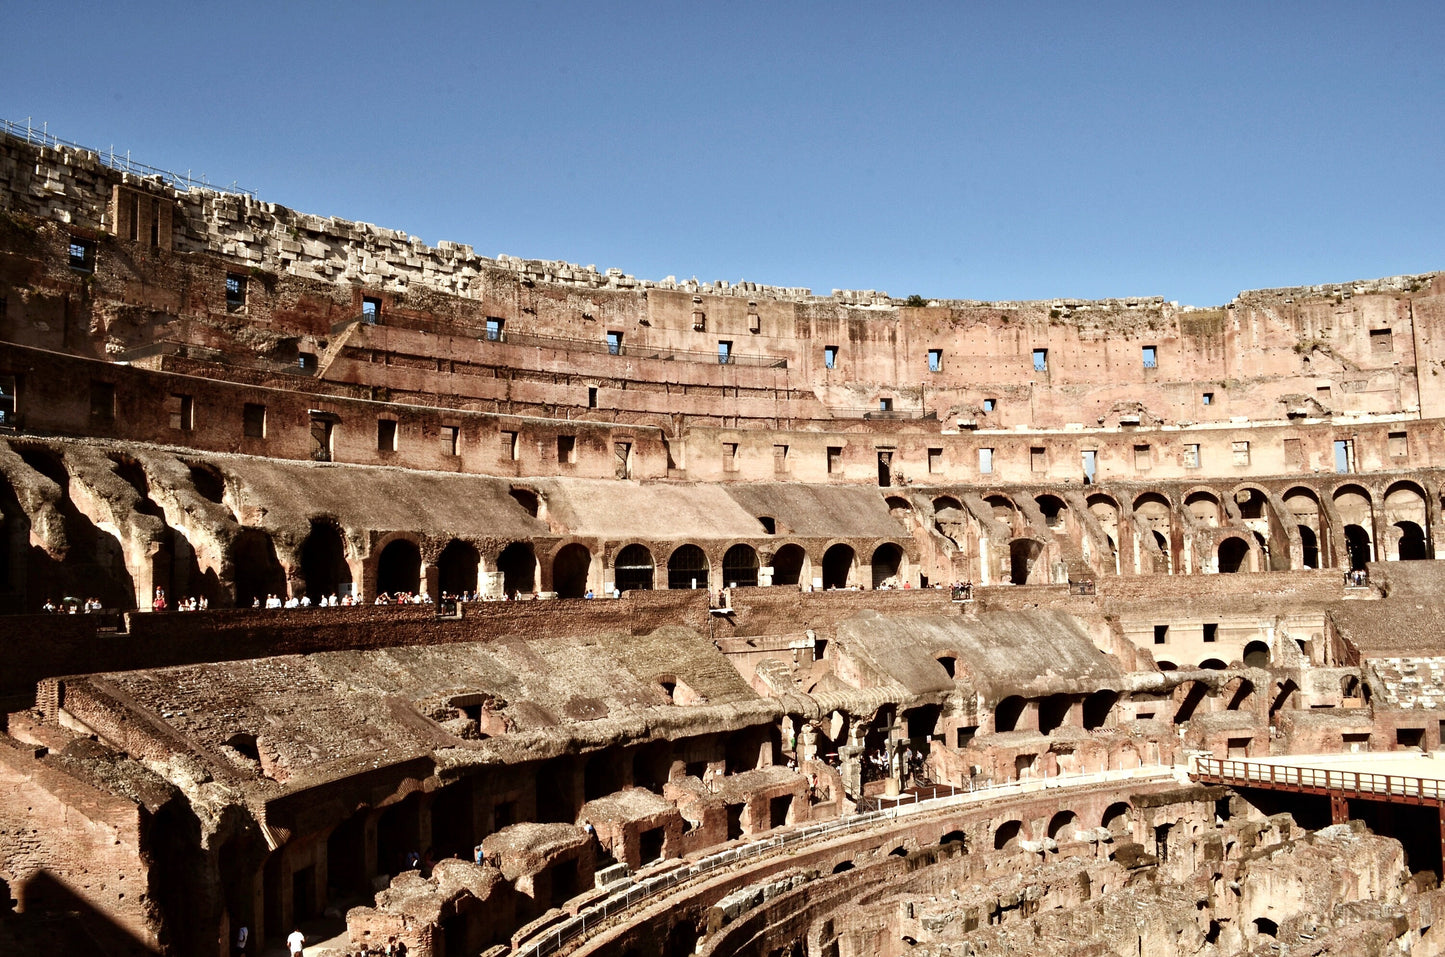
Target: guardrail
566	343
1363	783
598	914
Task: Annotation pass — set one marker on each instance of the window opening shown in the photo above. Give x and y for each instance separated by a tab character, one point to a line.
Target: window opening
253	420
1091	465
990	404
386	435
1207	398
102	401
1151	357
1161	634
181	409
1142	458
371	309
7	400
935	360
985	461
780	458
1191	456
322	436
935	461
306	361
830	357
452	439
614	343
730	456
235	292
885	404
1381	341
1211	632
622	453
567	449
494	329
1241	453
82	255
1399	445
509	445
1041	360
724	351
592	397
835	459
1038	459
1344	455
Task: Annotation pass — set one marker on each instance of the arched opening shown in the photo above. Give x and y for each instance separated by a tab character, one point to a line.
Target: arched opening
1152	513
789	565
1213	664
1007	714
1007	836
399	567
258	571
1203	507
1233	553
323	560
1256	655
528	499
1190	695
949	663
633	569
457	568
687	568
950	520
1264	927
954	837
570	570
1357	544
1163	664
740	567
1023	556
1309	547
1062	825
1243	690
1412	542
1116	818
842	866
837	566
1053	509
1098	707
887	562
208	483
1251	503
1053	711
1284	697
518	565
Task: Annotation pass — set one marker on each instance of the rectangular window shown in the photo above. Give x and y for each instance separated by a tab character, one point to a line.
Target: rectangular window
1399	445
1151	357
371	309
1381	341
985	461
592	397
1241	453
509	446
935	360
386	435
885	404
494	329
1091	465
622	459
452	439
1344	456
306	361
82	254
323	432
730	456
1211	632
1191	456
835	460
1038	459
780	458
1041	360
182	412
990	404
724	351
935	461
614	343
830	357
235	292
102	401
1143	461
1207	398
1161	634
1294	455
253	420
7	401
567	449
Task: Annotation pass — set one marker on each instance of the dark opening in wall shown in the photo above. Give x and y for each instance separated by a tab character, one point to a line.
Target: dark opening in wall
82	254
371	309
235	292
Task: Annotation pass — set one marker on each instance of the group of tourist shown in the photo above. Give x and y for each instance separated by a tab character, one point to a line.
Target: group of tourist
70	606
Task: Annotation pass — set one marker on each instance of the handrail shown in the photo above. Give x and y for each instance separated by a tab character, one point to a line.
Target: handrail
1350	782
567	343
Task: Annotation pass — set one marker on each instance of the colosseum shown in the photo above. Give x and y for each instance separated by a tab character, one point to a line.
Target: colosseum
399	594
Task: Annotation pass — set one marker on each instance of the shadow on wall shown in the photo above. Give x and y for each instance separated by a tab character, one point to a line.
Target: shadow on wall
56	921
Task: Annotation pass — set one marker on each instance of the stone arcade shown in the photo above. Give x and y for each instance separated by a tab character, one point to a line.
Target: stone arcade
705	537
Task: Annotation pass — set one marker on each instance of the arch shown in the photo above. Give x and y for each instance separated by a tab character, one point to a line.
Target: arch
1357	546
1007	712
517	564
571	569
946	502
687	567
1115	818
887	564
1060	821
1098	707
1240	690
1309	547
258	570
323	559
529	499
1006	836
1285	693
457	567
398	568
1213	664
1256	655
954	837
1264	927
1412	542
1233	555
1024	564
633	569
1203	506
1053	509
838	566
842	866
1189	695
1251	502
949	664
1163	664
1053	712
740	567
208	482
790	565
1002	508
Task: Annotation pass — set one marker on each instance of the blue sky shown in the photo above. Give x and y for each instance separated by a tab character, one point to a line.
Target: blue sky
958	150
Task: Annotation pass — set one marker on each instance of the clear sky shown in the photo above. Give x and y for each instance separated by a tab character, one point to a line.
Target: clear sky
956	150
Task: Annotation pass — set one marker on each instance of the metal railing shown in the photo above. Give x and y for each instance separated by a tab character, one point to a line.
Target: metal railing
1084	588
1349	782
122	162
590	918
602	347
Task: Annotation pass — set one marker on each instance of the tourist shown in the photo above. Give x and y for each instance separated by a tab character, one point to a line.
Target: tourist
243	939
296	942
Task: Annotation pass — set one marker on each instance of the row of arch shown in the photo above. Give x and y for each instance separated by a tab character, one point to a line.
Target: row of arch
1008	835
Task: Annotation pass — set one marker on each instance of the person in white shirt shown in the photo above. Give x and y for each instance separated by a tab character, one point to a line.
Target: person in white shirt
296	942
